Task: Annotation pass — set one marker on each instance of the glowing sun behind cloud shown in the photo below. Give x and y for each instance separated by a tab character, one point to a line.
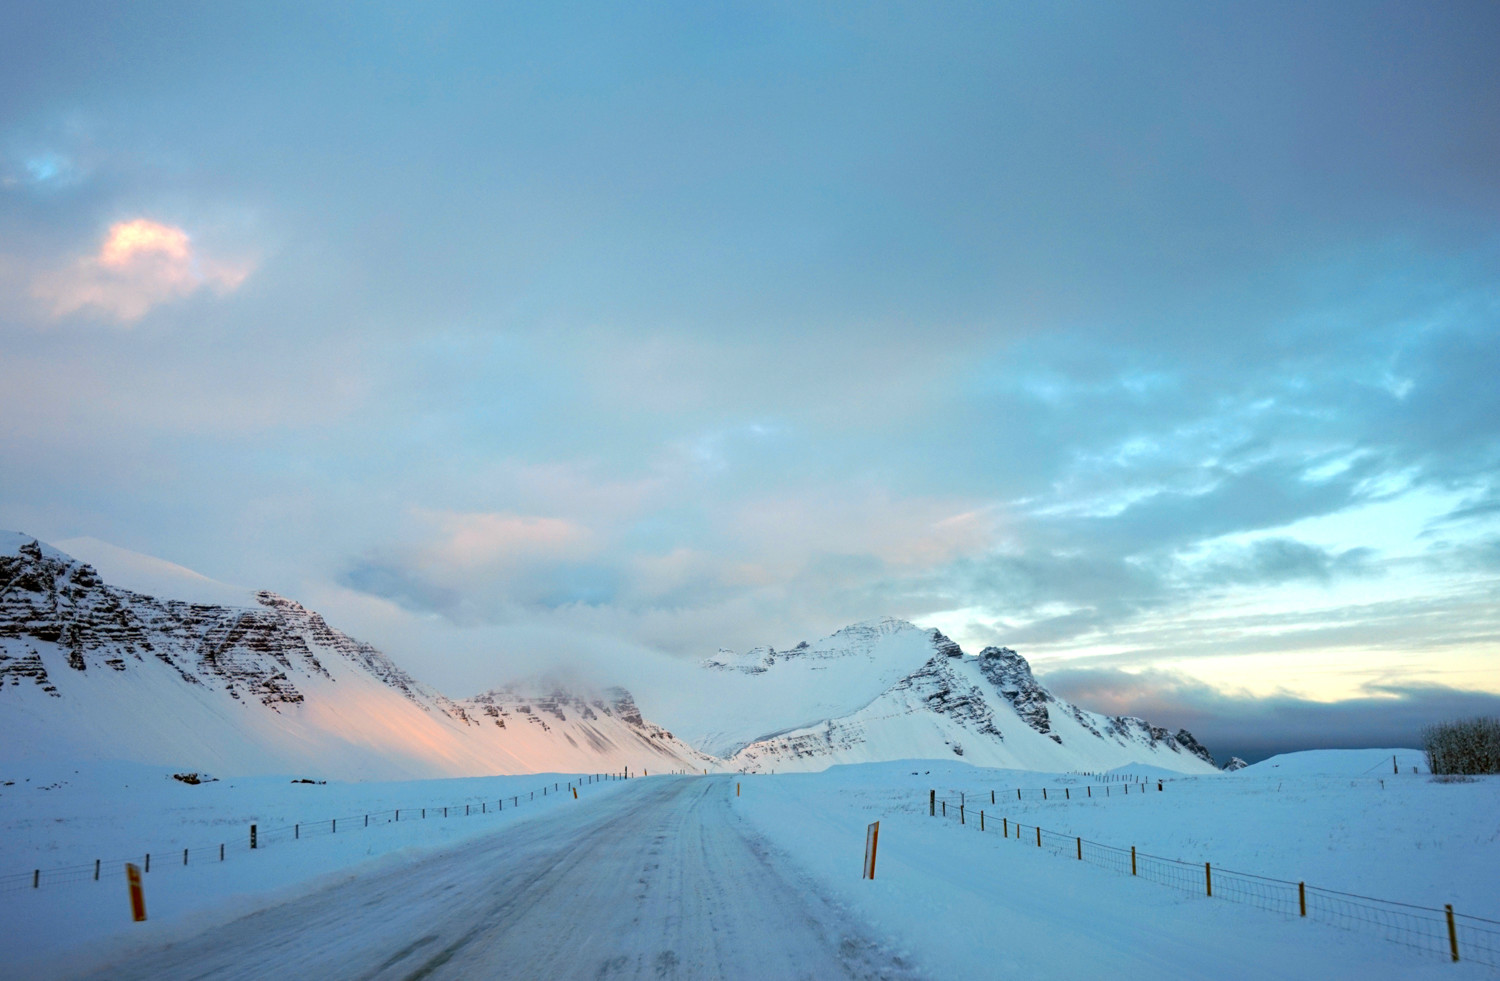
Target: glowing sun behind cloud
141	264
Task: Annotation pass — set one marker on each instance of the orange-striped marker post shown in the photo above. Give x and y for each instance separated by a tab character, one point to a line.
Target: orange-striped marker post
137	895
872	839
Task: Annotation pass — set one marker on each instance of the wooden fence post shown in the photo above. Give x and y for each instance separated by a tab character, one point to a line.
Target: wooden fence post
184	856
1005	826
148	861
252	837
1302	897
137	895
981	819
1208	878
1452	932
1132	860
96	863
1080	849
1039	836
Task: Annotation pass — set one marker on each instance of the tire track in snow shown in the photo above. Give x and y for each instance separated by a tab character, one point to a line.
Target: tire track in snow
660	881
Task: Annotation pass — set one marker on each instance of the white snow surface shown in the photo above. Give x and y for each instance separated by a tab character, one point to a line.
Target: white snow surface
92	670
683	877
269	688
763	692
954	710
152	576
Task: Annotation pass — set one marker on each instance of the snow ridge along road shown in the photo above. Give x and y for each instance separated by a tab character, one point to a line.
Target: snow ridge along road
661	880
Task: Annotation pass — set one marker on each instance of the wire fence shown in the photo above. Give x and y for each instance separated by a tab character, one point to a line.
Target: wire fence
1435	931
258	838
1108	787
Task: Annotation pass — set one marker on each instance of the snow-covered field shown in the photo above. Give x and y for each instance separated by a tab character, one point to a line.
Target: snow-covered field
947	900
66	816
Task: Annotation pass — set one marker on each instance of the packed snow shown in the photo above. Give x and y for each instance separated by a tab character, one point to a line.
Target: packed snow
688	876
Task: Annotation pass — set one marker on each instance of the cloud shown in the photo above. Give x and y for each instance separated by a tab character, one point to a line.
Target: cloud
1271	561
1253	728
140	265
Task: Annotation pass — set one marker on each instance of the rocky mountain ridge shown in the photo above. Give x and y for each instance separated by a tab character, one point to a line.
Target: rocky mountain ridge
309	696
988	708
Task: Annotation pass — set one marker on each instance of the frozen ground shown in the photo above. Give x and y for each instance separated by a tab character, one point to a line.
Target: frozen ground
679	876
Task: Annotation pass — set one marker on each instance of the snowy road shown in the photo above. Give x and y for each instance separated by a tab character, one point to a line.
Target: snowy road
660	881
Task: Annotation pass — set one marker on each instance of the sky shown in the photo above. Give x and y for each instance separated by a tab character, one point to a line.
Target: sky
1157	341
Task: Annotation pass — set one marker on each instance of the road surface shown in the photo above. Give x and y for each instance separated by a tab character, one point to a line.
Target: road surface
659	881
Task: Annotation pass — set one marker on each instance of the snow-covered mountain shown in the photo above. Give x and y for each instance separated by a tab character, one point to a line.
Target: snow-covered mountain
93	671
88	670
913	693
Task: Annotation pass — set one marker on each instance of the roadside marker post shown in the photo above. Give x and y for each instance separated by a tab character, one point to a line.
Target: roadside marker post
137	895
872	839
575	793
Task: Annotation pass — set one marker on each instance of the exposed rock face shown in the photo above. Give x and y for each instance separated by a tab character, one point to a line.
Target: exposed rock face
1012	678
246	652
303	694
1235	763
963	701
601	721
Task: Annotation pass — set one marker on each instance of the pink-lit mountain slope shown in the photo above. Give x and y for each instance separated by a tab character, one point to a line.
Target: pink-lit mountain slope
91	671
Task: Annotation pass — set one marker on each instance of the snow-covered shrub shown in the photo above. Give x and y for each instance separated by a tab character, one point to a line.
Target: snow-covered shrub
1465	746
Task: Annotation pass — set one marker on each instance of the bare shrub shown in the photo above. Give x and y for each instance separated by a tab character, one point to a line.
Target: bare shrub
1465	746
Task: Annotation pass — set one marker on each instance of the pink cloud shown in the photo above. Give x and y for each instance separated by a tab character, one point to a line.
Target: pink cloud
140	265
479	539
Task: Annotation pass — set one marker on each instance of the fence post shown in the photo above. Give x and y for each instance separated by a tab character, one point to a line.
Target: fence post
1067	794
960	814
36	878
1132	860
992	797
137	895
1044	793
96	863
148	861
296	831
221	858
1018	793
184	856
1039	836
335	823
252	837
932	803
1208	877
1302	897
945	808
1080	849
1452	933
1090	791
981	819
1005	826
